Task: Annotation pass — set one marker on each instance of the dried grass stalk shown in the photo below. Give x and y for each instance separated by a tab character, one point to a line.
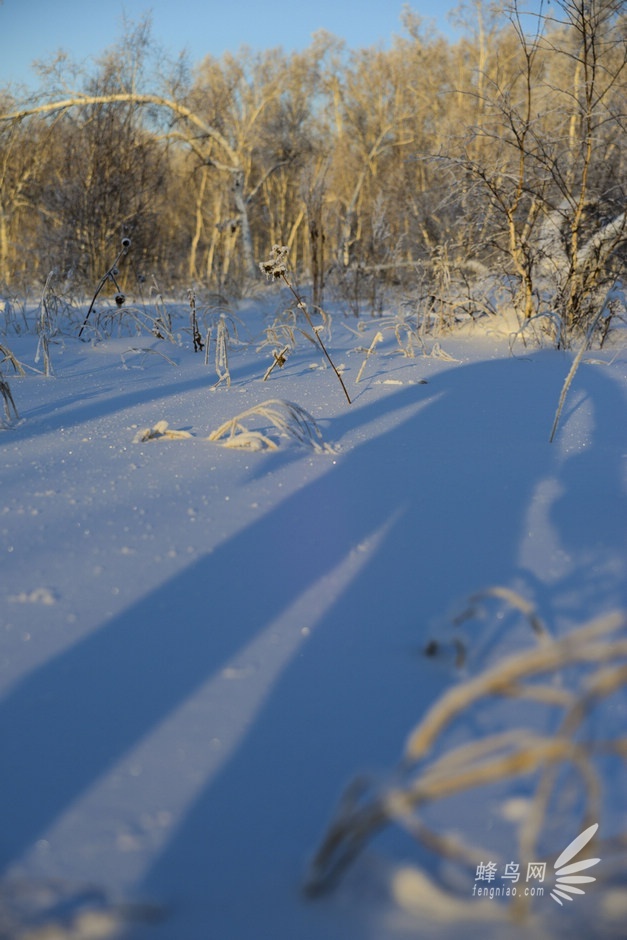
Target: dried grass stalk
43	351
578	646
10	410
597	648
378	338
8	356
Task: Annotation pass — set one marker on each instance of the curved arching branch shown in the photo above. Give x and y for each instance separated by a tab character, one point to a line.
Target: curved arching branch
181	110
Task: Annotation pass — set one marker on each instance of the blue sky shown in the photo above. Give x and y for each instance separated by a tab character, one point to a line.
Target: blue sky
36	29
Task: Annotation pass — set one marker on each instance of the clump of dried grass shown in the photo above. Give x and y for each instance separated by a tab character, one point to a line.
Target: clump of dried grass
160	431
285	417
289	419
571	675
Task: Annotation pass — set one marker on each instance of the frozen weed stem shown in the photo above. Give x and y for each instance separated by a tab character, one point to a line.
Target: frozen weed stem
276	267
110	275
193	320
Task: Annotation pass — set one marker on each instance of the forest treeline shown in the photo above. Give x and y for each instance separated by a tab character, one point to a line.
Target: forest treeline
431	161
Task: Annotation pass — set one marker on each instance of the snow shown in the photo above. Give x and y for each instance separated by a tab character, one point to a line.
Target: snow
201	646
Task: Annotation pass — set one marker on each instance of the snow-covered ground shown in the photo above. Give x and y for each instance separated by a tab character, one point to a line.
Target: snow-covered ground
201	646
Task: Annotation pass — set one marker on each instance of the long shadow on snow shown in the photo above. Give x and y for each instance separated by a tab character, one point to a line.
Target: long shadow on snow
457	477
101	402
452	481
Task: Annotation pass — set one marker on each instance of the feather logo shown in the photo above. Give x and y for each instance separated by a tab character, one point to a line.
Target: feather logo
567	877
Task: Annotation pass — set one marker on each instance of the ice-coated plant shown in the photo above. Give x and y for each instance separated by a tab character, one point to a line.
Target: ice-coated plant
193	321
223	331
222	352
220	326
276	267
46	323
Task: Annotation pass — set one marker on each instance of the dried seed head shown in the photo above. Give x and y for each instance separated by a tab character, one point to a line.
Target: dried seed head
276	265
119	299
126	243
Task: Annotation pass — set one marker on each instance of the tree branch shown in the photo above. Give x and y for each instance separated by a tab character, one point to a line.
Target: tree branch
81	101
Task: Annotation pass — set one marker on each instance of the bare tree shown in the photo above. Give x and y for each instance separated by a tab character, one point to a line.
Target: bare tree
228	150
505	148
589	220
537	151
